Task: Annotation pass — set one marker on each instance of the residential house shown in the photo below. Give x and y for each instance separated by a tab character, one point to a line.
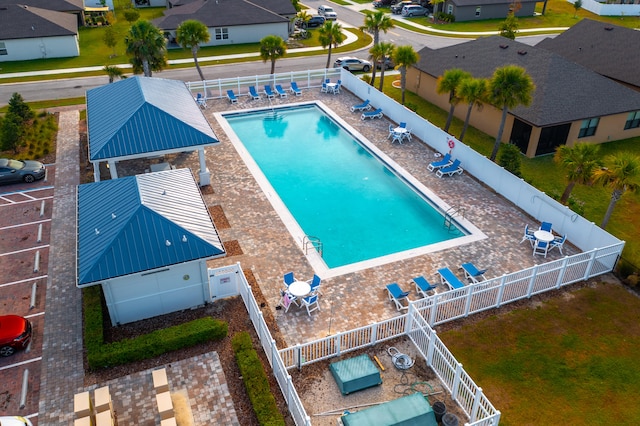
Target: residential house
28	32
476	10
570	103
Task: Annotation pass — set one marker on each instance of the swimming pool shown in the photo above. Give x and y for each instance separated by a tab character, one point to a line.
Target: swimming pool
338	188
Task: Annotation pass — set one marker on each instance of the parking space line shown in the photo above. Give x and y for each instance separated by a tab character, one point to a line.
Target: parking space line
25	224
30	416
22	251
18	364
25	280
23	191
13	203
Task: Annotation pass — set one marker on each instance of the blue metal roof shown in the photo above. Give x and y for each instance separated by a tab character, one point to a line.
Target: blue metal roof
141	223
141	115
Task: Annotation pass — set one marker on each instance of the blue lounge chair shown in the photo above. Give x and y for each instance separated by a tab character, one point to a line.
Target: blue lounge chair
546	226
448	278
398	296
232	96
253	93
372	114
281	91
269	92
365	106
472	273
446	160
450	170
294	89
423	286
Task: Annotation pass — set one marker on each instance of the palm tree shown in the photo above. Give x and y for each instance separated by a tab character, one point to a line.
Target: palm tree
472	91
190	34
377	21
329	35
147	47
621	175
579	162
113	72
404	57
272	48
386	50
449	82
302	17
509	87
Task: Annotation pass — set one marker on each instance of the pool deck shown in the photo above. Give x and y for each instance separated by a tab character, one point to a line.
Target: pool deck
359	298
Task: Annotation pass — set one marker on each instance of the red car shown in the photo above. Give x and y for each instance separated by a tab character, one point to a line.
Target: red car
15	333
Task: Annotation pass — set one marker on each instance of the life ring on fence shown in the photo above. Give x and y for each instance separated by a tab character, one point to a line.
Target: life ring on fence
452	144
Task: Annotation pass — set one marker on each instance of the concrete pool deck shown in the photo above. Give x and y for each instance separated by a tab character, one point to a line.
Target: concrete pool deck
355	299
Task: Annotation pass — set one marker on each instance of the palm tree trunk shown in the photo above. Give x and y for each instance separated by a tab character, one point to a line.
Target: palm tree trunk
145	68
273	65
466	122
373	76
450	117
496	146
615	196
329	56
381	75
567	192
403	81
194	51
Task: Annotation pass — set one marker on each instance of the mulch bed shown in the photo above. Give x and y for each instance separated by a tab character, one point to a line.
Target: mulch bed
219	218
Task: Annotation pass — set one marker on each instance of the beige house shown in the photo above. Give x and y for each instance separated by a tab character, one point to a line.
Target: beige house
571	103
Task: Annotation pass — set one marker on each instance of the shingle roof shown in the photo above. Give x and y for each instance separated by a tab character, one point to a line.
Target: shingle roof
140	115
565	91
607	49
57	5
18	22
227	13
139	223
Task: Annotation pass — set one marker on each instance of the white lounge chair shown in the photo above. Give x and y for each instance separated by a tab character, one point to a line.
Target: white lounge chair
294	89
398	296
253	93
372	114
448	278
423	286
365	106
281	91
232	96
450	170
446	160
269	92
472	273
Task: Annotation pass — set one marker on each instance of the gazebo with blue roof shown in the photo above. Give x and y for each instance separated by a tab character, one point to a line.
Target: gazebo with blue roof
146	240
141	117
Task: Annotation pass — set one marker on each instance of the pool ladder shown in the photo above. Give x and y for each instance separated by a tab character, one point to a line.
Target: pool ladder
312	242
449	215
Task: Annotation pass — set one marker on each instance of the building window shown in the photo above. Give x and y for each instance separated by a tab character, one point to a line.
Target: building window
588	127
633	120
3	48
222	33
450	9
478	11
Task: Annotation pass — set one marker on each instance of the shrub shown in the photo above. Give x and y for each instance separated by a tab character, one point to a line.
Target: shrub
131	15
255	380
509	158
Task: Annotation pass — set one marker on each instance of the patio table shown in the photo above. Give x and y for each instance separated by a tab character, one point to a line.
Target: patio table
544	236
300	288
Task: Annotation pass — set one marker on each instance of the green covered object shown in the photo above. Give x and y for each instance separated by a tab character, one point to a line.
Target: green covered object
355	373
411	410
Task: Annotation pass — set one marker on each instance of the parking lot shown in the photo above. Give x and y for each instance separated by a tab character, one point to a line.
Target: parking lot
25	225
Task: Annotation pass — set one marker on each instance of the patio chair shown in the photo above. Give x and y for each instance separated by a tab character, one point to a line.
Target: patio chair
365	106
372	114
336	88
315	284
403	125
202	102
324	88
253	93
286	300
232	96
281	91
423	286
446	160
269	92
391	131
450	170
541	247
546	226
311	303
294	89
407	134
288	278
448	278
558	242
472	273
398	296
397	137
528	236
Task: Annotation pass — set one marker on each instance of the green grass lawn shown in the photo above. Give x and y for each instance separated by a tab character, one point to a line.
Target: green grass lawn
571	360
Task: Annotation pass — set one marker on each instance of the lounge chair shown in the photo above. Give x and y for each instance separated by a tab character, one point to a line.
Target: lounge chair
269	92
398	296
546	226
446	160
450	170
472	273
294	89
541	247
281	91
365	106
253	93
232	96
311	303
528	236
558	242
423	286
372	114
448	278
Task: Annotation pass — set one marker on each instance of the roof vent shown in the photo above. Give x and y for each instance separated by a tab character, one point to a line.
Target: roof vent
97	231
522	52
167	243
608	28
113	215
164	192
184	238
504	46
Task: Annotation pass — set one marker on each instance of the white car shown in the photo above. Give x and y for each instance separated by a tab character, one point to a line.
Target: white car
328	13
14	421
352	64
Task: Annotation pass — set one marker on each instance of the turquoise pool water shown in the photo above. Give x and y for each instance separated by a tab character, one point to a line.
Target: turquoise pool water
335	188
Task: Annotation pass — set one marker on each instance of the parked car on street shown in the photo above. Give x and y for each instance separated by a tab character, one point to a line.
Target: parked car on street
315	21
388	64
396	9
20	171
14	421
414	10
328	12
15	334
382	3
352	64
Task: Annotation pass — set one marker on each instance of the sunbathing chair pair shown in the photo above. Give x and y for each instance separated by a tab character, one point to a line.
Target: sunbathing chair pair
371	114
450	170
365	106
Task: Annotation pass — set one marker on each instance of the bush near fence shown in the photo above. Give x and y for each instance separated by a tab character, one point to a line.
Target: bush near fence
101	355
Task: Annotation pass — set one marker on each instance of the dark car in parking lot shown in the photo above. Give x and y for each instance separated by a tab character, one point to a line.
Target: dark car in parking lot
20	171
396	9
15	334
315	21
388	64
382	3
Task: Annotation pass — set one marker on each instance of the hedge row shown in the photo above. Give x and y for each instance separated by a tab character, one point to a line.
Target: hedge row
256	382
101	355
